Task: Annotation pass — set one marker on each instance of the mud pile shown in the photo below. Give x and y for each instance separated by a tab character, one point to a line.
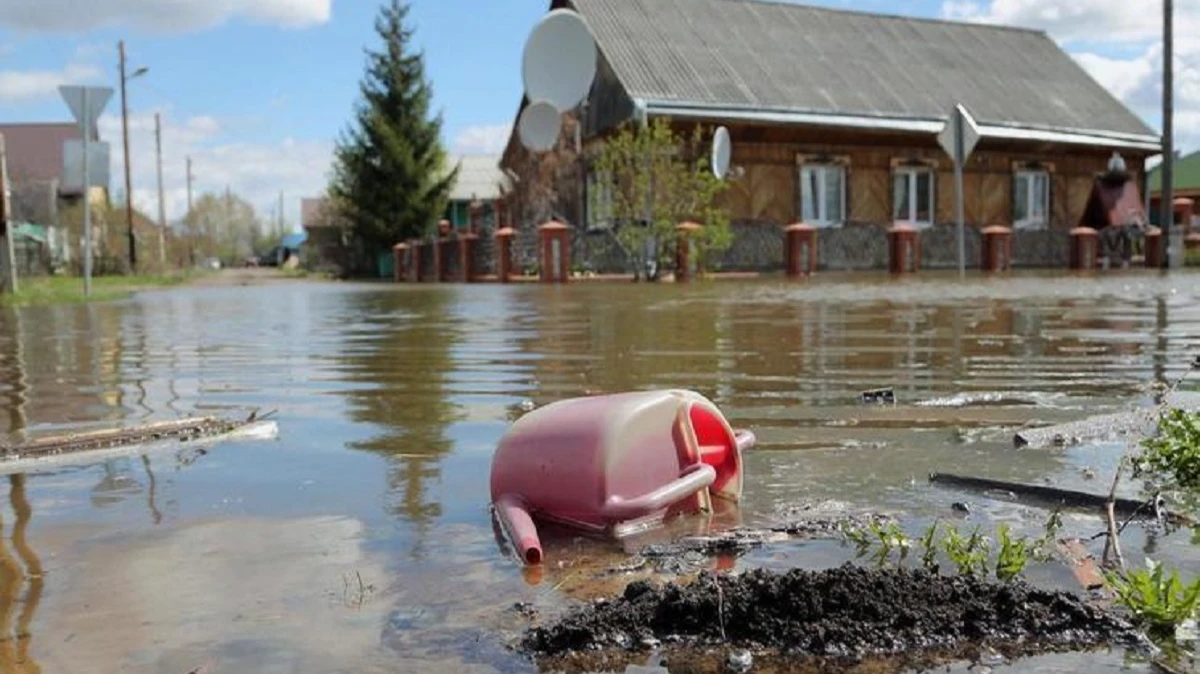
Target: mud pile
844	612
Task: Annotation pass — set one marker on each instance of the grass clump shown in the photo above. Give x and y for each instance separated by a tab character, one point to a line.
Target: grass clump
44	290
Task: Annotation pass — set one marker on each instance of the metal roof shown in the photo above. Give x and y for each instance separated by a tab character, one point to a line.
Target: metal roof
479	177
718	57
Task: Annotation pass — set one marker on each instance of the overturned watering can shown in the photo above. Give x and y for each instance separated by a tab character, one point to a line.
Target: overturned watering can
614	464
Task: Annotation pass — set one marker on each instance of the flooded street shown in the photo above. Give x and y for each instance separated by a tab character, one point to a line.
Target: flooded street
360	539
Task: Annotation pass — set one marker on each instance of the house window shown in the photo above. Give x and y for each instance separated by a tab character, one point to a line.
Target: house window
912	196
1031	199
822	194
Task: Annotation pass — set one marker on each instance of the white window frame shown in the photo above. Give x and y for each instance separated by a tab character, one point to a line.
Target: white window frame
1029	223
913	172
822	219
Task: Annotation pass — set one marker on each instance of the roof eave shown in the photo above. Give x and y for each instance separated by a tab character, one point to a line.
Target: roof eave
1147	143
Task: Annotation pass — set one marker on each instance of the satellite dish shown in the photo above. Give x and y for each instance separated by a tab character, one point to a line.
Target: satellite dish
539	126
722	152
559	62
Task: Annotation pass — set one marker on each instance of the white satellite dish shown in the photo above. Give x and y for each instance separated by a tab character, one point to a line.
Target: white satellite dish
722	152
539	126
559	63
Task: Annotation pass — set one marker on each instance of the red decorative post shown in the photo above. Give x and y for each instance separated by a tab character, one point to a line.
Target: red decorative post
466	252
556	252
684	265
399	262
1085	246
1154	247
997	248
1183	209
904	249
418	249
441	253
800	249
504	237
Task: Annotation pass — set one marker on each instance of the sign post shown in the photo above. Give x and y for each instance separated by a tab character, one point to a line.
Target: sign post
959	139
7	226
86	104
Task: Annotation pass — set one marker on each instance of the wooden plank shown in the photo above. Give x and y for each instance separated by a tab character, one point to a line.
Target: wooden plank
1053	497
1082	563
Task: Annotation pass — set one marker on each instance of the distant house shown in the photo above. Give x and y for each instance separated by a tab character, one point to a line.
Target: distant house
1186	179
34	156
834	117
325	239
481	180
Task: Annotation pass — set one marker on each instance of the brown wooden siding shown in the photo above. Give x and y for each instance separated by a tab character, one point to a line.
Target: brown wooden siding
769	188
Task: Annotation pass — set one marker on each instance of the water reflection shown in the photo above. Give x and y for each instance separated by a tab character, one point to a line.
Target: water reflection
403	352
15	571
421	381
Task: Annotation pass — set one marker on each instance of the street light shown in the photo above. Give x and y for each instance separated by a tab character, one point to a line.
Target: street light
125	132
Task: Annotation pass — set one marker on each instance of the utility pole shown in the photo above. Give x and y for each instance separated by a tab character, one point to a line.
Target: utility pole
7	227
281	231
1166	206
191	232
128	175
162	207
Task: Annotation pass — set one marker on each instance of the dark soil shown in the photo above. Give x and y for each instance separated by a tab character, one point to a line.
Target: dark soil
846	612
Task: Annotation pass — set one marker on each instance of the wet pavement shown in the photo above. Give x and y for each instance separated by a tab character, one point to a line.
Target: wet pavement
360	539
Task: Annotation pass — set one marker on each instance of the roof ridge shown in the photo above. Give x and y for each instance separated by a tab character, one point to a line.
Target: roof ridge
895	17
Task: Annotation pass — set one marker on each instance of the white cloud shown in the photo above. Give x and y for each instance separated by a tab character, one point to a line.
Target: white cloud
23	86
1080	20
160	15
256	171
483	139
1132	67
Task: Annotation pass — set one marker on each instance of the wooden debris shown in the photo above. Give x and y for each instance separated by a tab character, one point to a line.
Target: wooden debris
1053	497
183	429
1082	564
65	448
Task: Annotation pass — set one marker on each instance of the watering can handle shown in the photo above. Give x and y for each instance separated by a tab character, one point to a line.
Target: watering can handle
745	439
695	478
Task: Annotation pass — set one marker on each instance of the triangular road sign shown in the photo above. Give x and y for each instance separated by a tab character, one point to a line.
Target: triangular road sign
97	98
970	132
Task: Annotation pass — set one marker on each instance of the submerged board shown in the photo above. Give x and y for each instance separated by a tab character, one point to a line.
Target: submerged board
84	448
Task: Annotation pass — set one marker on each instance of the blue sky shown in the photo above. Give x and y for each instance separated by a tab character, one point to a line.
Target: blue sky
256	90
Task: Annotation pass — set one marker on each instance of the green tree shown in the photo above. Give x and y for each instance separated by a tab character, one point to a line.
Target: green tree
389	179
650	179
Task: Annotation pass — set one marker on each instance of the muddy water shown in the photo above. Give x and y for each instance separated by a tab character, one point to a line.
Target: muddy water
360	539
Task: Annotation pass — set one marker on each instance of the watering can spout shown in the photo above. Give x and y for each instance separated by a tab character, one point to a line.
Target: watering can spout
519	526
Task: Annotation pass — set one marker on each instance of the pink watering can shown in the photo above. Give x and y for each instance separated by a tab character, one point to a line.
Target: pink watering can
613	464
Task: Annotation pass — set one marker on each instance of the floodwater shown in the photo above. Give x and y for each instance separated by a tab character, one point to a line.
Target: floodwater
360	539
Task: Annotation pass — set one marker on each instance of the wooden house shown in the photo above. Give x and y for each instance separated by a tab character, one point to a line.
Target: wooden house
834	117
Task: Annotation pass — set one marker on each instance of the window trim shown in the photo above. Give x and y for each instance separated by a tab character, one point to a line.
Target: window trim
914	170
1027	173
823	166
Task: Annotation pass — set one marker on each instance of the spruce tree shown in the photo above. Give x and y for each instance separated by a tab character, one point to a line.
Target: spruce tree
390	181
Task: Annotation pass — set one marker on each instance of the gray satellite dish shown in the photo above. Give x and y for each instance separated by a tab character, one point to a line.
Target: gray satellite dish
722	152
559	62
539	126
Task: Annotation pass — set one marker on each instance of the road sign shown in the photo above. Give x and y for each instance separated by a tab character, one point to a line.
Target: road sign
99	164
86	109
961	124
959	139
86	104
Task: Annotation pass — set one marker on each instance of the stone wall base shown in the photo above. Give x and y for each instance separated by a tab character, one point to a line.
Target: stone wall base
759	246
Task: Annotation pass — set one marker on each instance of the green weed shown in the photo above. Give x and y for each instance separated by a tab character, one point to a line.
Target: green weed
1158	601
